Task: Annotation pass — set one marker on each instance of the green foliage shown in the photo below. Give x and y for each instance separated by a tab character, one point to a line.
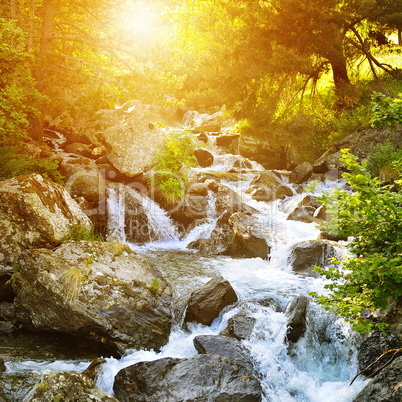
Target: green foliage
12	275
154	287
13	164
79	232
172	163
382	158
386	111
19	99
371	213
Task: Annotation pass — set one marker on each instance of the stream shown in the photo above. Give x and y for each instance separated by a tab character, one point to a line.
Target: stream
317	368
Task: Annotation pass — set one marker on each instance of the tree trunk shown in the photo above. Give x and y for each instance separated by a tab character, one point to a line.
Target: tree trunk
31	25
13	12
42	65
400	36
344	90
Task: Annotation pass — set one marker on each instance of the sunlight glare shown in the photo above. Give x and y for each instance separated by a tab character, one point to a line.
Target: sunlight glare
141	23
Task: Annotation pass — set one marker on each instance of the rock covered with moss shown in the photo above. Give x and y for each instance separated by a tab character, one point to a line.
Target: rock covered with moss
67	386
101	291
35	213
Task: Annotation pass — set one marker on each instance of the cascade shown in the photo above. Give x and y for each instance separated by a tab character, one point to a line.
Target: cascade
316	368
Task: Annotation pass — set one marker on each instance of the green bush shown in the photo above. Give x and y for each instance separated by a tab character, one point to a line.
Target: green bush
19	99
13	164
386	111
372	214
172	163
382	158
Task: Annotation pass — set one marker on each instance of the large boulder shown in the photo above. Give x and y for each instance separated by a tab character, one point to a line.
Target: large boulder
360	143
296	314
68	387
301	173
130	141
306	210
198	378
373	347
269	184
204	157
209	300
83	178
100	291
385	387
223	346
310	252
227	200
240	326
35	213
236	235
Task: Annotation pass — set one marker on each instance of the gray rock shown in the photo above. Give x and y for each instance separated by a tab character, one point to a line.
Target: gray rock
223	346
35	213
296	314
204	157
67	387
311	252
198	378
2	365
227	200
272	184
99	291
83	178
301	173
385	387
209	300
240	326
236	235
373	347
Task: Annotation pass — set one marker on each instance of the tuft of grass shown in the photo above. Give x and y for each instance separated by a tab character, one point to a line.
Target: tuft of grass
79	232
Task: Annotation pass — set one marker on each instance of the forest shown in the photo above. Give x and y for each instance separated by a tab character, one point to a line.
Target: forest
291	72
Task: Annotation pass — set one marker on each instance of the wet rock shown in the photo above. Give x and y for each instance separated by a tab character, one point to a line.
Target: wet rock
272	184
227	200
198	378
127	137
204	157
203	137
8	312
83	178
94	369
373	347
240	326
198	189
228	142
242	163
386	386
68	387
296	314
79	148
305	211
189	209
7	327
209	300
327	162
2	365
301	173
35	213
236	235
260	193
311	252
99	291
223	346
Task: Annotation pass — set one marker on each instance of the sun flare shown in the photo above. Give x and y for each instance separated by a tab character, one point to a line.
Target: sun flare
141	23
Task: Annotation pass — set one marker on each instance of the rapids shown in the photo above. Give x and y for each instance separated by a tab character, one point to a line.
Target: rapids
318	368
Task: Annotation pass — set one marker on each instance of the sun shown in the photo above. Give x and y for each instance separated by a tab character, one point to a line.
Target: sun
141	23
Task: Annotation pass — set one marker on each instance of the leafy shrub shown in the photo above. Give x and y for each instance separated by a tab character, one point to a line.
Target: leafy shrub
172	163
371	214
382	158
386	111
13	164
78	233
19	99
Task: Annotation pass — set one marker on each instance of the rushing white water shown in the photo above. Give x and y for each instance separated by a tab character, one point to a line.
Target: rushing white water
116	213
319	366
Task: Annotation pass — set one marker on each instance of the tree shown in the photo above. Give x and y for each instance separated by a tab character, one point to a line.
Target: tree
372	214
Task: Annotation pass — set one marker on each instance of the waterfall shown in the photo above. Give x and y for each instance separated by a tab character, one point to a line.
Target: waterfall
116	213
